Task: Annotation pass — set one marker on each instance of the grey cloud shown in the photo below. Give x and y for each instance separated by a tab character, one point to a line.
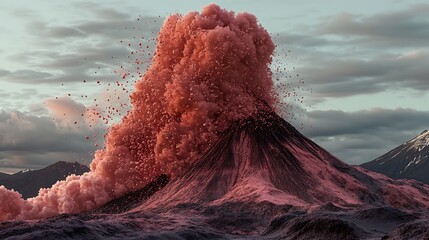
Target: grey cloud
101	12
84	56
111	24
349	55
64	32
4	72
346	89
41	29
21	132
110	13
305	40
11	100
347	77
404	28
337	70
84	5
23	13
94	52
356	137
31	141
26	74
25	93
38	109
48	33
335	122
122	29
407	28
356	150
300	39
84	64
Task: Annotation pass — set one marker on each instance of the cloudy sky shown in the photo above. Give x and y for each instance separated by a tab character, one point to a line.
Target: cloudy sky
361	67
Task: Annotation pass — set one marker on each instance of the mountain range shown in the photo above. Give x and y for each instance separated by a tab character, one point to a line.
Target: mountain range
409	160
28	182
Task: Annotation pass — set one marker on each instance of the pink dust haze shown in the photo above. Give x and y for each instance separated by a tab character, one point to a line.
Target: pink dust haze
209	69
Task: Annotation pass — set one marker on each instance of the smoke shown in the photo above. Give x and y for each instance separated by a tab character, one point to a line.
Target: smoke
209	69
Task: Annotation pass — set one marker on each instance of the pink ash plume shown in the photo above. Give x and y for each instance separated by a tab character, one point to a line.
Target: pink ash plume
209	69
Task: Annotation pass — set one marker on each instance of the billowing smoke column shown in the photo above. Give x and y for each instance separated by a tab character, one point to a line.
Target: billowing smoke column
209	69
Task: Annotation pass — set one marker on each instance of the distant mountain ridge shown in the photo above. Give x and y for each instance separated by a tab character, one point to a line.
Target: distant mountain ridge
409	160
29	182
3	176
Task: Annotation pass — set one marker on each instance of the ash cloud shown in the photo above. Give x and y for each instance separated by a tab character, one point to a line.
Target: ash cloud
210	69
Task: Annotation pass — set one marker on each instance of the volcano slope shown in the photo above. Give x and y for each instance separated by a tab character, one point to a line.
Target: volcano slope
264	180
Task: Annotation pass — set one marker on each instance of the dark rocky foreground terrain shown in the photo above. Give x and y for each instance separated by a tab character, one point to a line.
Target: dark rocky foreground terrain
262	220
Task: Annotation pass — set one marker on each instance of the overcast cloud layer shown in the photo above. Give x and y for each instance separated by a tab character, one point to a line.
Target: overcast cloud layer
366	79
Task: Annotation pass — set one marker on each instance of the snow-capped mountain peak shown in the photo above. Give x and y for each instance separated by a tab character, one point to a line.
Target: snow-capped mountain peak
24	171
409	160
420	141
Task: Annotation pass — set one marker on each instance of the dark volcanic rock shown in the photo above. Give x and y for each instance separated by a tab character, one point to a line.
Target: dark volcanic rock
414	230
321	228
132	199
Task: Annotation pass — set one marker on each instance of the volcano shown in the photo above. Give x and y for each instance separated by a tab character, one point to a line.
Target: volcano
409	160
264	158
261	179
203	155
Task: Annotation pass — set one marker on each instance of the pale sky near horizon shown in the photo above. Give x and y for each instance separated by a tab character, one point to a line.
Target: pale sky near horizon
364	61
